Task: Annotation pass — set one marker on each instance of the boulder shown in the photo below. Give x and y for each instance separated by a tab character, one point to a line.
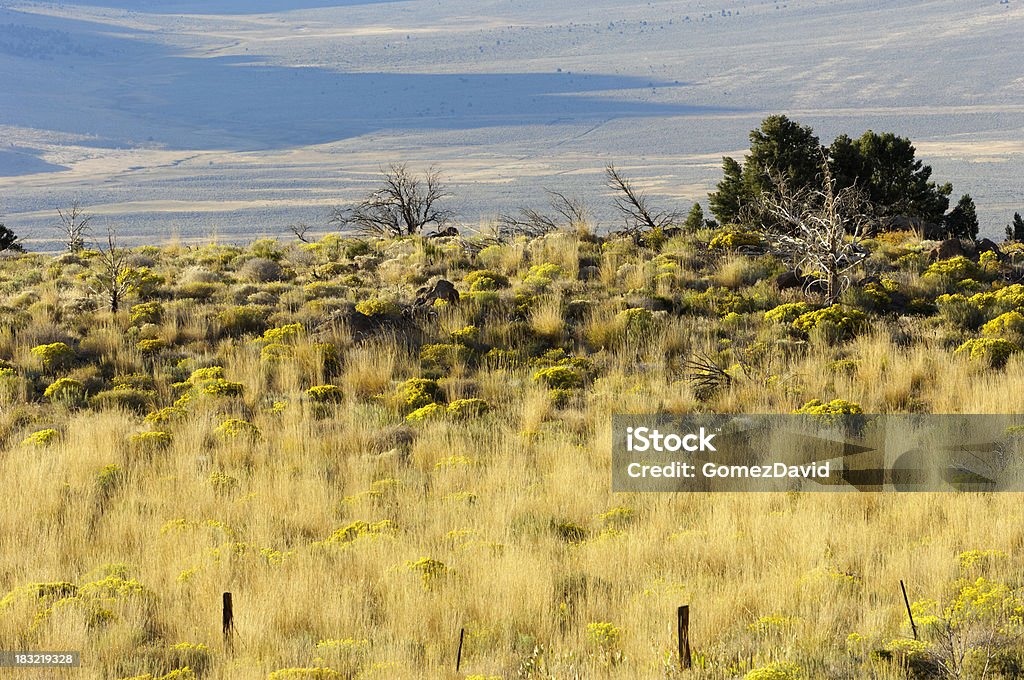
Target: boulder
988	246
950	248
653	304
444	233
390	438
789	279
442	289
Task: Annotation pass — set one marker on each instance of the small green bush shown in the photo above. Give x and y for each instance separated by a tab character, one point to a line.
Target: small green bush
468	408
485	280
237	428
444	355
54	355
354	249
137	381
954	269
635	324
831	408
147	312
843	322
994	351
543	275
65	391
199	291
319	290
275	352
419	392
377	307
325	394
122	399
560	377
959	311
787	312
427	412
244	320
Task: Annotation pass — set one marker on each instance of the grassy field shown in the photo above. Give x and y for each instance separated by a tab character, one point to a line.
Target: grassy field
368	475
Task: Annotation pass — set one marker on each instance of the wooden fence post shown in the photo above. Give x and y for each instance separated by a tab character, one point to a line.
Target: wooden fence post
228	620
458	654
910	614
683	633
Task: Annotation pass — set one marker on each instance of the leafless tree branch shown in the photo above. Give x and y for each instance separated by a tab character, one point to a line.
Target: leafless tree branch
300	229
405	204
818	229
634	206
568	213
114	280
73	227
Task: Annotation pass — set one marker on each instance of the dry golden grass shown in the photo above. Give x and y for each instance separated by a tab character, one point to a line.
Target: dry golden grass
350	521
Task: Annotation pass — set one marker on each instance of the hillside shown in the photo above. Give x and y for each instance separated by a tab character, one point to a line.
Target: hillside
376	443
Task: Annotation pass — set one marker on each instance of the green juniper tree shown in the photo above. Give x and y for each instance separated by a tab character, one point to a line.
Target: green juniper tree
881	166
779	147
885	168
962	221
9	240
695	218
1015	231
731	194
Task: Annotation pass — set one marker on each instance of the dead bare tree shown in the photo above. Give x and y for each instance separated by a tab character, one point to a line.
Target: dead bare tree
405	204
634	206
114	280
300	229
819	229
73	227
568	213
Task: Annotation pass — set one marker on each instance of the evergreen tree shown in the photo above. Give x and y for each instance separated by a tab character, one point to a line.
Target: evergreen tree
1015	231
695	218
9	240
725	203
782	147
962	221
884	166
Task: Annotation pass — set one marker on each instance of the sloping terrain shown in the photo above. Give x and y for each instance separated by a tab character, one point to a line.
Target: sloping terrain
187	118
